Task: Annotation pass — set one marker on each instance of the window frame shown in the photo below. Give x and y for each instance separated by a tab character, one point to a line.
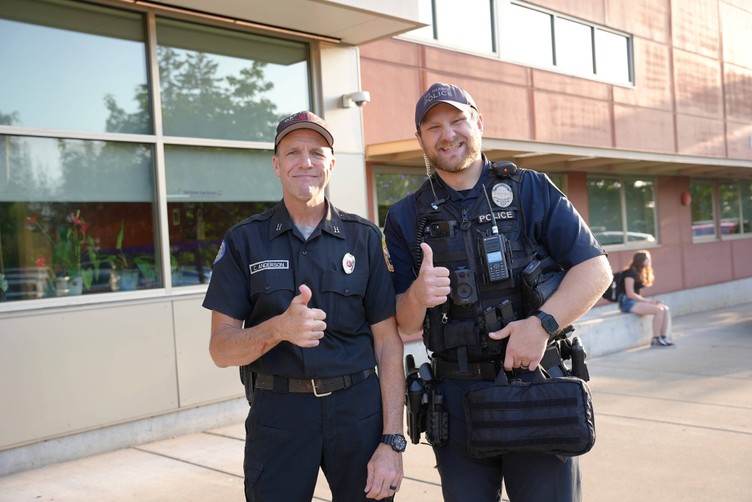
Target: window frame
158	142
498	10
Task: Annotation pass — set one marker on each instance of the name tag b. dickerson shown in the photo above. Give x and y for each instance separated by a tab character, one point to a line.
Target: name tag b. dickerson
499	215
260	266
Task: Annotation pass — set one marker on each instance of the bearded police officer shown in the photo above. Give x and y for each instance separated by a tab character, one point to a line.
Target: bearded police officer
462	248
302	301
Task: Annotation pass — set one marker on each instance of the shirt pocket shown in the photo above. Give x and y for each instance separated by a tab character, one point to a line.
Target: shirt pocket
345	293
274	290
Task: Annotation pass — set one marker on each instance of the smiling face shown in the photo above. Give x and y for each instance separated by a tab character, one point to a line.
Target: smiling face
304	164
451	138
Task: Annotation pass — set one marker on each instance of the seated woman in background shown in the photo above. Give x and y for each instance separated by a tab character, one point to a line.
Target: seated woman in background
640	275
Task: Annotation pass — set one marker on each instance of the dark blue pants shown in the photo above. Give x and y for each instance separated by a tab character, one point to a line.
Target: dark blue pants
290	435
527	477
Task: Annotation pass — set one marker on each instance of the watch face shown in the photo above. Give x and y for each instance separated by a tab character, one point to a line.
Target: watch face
548	322
399	443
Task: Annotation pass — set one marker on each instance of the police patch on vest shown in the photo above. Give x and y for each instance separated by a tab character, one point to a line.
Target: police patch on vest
220	252
502	194
499	215
260	266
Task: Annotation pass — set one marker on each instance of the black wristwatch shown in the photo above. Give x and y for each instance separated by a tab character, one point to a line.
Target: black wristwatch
396	441
547	321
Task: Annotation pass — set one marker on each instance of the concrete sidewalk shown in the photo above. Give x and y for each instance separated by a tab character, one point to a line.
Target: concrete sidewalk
672	424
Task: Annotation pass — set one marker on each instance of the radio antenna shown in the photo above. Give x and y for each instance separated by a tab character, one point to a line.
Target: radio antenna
494	228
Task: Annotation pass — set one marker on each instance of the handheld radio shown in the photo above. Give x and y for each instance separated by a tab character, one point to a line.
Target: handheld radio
492	250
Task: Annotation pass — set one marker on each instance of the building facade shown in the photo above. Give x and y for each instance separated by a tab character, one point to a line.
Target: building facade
134	133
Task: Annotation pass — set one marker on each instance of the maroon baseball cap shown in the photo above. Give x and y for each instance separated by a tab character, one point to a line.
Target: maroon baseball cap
442	93
303	120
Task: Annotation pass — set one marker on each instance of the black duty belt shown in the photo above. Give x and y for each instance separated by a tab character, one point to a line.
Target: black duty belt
484	370
319	387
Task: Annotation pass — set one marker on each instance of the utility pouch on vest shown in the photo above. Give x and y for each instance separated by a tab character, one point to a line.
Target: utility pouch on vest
547	415
537	286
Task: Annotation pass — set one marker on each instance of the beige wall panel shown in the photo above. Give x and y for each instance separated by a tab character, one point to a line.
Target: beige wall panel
74	369
394	90
694	25
459	65
700	136
199	379
652	78
641	18
644	129
739	140
736	23
738	89
590	10
576	121
698	85
549	81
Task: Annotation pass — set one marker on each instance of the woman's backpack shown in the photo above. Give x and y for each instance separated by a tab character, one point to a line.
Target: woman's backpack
612	292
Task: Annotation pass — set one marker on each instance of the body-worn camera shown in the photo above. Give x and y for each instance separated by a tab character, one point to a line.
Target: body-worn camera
463	287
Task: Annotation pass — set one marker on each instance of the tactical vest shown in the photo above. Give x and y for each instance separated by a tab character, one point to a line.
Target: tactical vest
485	266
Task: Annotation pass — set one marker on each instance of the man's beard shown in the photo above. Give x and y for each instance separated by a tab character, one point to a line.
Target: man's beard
472	153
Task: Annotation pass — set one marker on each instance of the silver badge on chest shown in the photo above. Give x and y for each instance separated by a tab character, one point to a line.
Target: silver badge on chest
348	263
502	194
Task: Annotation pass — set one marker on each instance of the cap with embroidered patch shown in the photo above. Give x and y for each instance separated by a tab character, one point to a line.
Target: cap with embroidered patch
442	93
303	120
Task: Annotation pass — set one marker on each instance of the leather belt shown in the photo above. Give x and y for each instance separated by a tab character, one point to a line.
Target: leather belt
319	387
483	370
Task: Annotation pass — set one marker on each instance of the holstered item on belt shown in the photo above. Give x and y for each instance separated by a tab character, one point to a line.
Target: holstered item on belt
548	415
317	386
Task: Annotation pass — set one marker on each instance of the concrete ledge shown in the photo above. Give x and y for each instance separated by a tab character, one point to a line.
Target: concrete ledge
124	435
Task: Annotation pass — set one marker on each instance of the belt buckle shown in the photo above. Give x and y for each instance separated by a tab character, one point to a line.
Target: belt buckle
316	392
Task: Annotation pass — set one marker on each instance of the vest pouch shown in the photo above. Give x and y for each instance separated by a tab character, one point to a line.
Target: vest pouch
548	415
545	285
459	333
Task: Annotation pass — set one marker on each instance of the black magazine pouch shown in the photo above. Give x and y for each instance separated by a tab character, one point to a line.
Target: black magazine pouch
538	415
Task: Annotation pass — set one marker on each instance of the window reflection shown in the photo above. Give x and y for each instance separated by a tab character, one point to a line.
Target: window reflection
73	208
208	191
622	210
229	85
71	67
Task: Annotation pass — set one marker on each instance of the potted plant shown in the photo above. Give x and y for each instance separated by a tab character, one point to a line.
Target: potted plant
71	244
122	277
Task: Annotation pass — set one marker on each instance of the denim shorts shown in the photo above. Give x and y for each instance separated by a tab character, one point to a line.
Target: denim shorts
625	304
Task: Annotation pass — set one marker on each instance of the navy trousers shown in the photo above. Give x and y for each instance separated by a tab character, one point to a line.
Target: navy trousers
290	435
527	477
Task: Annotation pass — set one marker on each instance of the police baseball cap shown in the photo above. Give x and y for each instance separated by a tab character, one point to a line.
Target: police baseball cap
442	93
303	120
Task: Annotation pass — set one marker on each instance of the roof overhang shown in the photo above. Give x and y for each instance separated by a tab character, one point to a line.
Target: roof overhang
351	22
555	158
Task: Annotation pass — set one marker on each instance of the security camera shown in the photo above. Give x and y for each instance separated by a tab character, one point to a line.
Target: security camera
359	98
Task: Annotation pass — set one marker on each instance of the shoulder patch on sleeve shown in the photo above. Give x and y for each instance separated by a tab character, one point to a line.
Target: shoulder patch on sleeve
387	258
220	252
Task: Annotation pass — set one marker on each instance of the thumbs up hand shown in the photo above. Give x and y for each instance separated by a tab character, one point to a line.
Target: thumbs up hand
432	285
300	324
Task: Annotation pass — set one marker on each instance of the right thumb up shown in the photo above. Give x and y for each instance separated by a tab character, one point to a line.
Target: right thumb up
304	297
427	256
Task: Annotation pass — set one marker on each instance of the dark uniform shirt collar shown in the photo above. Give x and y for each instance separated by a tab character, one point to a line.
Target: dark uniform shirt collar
331	223
458	196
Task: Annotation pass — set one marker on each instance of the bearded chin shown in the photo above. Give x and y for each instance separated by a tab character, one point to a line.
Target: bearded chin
473	152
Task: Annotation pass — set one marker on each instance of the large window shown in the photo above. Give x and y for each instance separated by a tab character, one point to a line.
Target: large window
529	35
736	208
80	209
704	220
622	210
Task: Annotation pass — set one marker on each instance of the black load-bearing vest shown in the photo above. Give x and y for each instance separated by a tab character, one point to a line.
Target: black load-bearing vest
485	267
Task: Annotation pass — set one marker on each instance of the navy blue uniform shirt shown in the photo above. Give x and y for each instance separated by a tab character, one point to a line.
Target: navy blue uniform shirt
263	260
551	220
